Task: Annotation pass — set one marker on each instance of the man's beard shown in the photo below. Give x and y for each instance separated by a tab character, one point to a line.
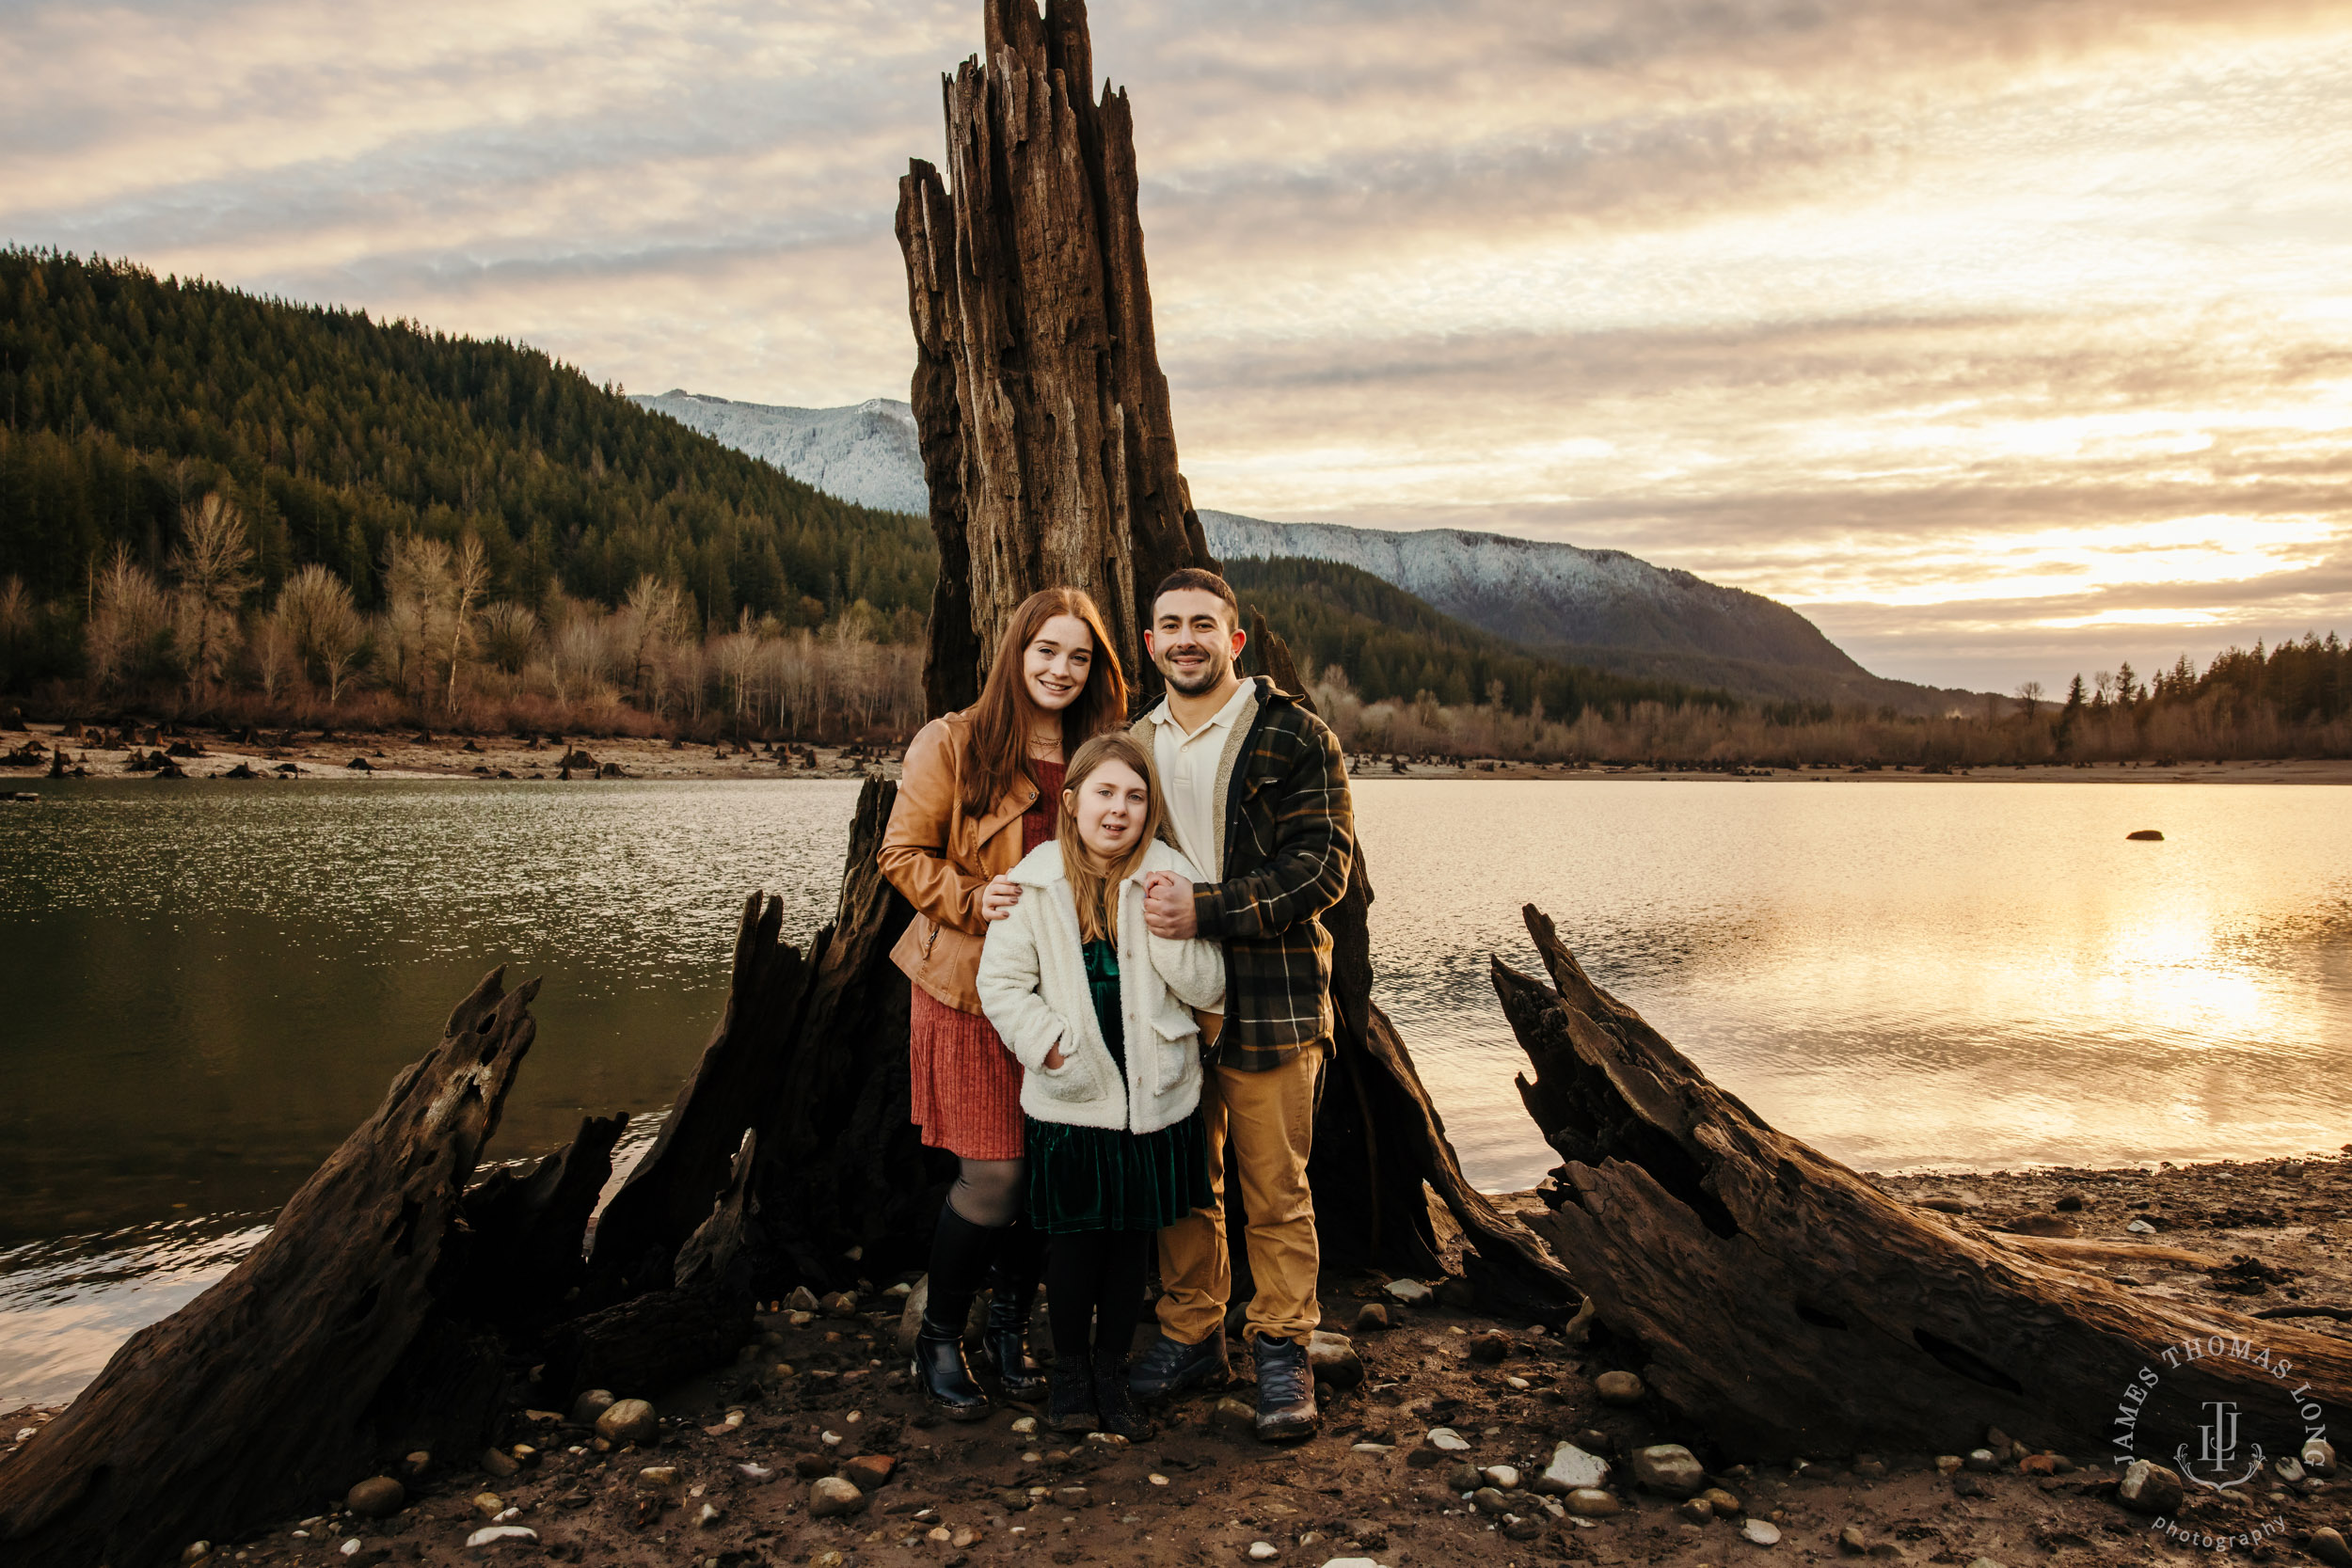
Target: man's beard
1212	667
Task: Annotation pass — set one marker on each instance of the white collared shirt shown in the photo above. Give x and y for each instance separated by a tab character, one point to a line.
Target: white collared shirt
1187	767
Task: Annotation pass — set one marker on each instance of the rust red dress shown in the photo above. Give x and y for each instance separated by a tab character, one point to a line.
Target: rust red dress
966	1084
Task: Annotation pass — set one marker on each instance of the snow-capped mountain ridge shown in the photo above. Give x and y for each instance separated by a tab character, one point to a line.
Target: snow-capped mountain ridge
1603	608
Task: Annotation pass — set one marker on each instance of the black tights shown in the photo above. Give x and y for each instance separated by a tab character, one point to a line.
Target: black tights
1094	1289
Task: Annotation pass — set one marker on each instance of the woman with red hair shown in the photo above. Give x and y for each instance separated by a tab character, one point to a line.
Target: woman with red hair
980	789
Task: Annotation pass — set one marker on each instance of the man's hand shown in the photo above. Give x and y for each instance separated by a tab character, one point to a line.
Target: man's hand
1053	1058
1167	908
999	896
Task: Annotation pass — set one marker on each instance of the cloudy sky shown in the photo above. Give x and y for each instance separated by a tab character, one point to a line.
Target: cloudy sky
2006	338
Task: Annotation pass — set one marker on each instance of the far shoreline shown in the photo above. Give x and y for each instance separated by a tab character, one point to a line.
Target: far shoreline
210	753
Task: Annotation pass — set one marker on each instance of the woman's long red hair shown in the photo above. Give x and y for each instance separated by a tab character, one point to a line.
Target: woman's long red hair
1000	719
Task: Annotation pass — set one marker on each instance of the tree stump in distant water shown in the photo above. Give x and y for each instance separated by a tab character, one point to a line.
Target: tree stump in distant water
1047	441
1791	1307
320	1351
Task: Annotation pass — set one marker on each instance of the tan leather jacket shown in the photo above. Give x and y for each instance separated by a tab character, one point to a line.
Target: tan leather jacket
941	859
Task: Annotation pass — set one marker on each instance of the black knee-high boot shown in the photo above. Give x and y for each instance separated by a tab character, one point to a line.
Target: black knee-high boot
1013	1286
960	1252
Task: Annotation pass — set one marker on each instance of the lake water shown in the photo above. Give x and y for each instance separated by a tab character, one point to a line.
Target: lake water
204	988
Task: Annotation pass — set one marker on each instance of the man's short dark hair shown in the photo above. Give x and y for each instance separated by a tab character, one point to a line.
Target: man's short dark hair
1196	579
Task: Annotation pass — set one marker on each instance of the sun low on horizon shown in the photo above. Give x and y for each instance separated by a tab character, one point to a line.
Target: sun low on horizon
2004	342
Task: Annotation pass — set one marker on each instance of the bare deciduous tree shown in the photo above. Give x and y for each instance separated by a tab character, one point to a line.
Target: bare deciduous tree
211	563
328	631
468	578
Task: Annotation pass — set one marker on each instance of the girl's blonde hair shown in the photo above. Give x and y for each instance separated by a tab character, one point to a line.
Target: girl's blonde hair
1090	883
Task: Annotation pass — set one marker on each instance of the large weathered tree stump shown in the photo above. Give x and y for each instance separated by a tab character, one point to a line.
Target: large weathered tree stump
320	1353
1047	440
1790	1308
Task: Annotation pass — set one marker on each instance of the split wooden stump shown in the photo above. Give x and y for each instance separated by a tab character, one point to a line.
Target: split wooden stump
1789	1308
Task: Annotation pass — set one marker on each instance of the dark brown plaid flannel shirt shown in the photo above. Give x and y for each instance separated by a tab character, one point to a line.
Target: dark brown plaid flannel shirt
1290	836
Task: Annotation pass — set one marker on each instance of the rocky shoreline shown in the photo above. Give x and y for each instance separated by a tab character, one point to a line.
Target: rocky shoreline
1449	1437
174	752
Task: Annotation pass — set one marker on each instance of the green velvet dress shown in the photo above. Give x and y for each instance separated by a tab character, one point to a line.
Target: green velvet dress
1107	1178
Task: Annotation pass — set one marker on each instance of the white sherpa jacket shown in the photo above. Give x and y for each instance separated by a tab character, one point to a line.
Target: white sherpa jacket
1033	987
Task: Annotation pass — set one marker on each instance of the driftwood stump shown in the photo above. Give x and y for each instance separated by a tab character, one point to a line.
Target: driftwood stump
1047	441
319	1355
1792	1308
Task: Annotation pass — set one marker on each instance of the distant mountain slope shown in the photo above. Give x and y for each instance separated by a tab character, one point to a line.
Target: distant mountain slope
1599	607
1540	594
865	453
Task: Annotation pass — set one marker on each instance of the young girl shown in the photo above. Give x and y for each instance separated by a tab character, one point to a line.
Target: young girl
1097	1010
982	788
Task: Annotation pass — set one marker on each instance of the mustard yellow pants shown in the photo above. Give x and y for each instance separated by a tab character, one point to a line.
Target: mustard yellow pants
1271	1117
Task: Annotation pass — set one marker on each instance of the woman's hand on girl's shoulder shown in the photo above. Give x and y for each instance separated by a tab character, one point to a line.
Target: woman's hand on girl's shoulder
999	896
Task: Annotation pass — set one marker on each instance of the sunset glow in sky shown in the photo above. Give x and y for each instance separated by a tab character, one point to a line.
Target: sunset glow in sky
2005	338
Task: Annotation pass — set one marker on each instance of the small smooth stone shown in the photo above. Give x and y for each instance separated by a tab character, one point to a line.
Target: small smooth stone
1350	1562
1371	1318
1982	1563
1262	1551
499	1465
489	1504
1969	1485
709	1517
1072	1497
1695	1511
1571	1469
1489	1501
2149	1488
1618	1388
658	1475
2140	1227
1982	1461
490	1535
1412	1292
1372	1448
1947	1463
1463	1478
1518	1383
1503	1478
196	1550
1591	1503
629	1422
828	1495
1235	1414
758	1474
1668	1468
1761	1533
377	1497
965	1536
2319	1457
1332	1359
416	1464
1489	1347
869	1471
1157	1479
1443	1439
1025	1425
590	1405
1722	1502
1869	1469
2329	1547
802	1299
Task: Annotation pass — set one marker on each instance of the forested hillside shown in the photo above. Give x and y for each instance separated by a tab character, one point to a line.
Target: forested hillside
1392	646
126	397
